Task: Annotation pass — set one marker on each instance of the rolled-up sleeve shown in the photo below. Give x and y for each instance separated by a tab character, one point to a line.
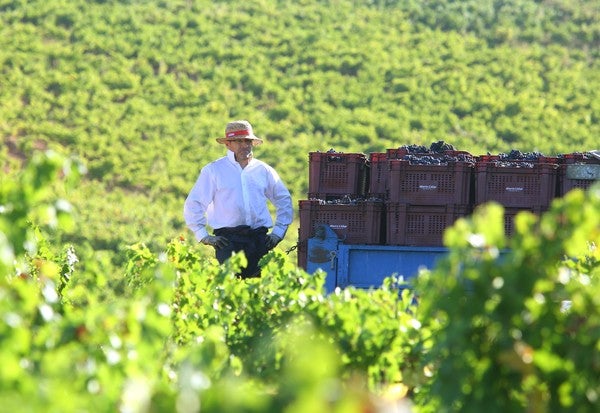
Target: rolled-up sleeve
282	200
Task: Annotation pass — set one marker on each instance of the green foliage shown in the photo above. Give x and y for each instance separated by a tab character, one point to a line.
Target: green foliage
28	200
488	328
519	328
178	331
375	331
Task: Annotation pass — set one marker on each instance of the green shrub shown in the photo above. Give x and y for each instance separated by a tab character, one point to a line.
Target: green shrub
519	322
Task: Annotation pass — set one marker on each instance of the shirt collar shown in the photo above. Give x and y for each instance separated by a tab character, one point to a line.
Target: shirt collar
231	157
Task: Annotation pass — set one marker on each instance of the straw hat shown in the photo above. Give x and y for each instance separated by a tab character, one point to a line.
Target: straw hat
239	129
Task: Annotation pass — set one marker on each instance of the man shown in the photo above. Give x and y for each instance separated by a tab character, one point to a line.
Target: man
230	196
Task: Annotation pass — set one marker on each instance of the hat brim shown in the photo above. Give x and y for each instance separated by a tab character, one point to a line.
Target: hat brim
255	139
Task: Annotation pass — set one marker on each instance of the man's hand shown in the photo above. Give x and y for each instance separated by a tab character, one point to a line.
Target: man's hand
215	241
272	240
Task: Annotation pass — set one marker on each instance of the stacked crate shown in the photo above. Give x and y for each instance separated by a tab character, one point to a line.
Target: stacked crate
357	222
410	195
378	175
337	192
425	193
577	170
334	175
519	182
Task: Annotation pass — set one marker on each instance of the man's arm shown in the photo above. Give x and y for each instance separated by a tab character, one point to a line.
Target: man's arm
196	204
282	200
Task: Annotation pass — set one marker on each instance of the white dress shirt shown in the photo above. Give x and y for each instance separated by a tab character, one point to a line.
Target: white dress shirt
225	195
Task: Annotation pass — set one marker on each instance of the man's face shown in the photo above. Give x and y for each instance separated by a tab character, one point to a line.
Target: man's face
242	148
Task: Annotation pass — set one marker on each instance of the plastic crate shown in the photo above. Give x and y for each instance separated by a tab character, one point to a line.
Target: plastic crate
420	225
577	170
430	184
336	174
301	254
356	223
511	213
378	175
516	184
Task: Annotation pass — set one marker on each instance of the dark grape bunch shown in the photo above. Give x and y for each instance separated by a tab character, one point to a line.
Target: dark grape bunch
437	160
414	148
438	153
581	156
518	159
332	157
435	147
515	155
441	146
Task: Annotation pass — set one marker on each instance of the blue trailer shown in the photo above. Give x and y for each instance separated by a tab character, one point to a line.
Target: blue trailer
363	265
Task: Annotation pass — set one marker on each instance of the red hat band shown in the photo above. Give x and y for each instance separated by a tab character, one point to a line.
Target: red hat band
237	133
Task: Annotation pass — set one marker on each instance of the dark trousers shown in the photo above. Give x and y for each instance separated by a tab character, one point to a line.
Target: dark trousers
244	238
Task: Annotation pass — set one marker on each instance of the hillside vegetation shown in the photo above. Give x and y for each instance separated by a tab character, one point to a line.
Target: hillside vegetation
139	89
